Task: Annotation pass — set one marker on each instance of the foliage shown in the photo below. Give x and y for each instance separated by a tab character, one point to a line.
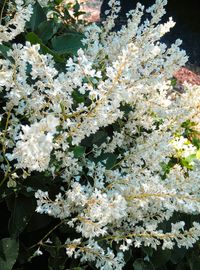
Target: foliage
100	157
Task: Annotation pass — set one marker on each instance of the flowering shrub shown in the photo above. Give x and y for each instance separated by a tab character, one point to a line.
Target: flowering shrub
99	137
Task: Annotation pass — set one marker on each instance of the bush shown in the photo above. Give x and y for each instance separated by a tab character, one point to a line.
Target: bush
100	156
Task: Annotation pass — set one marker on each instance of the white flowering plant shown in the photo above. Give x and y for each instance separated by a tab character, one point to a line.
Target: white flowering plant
100	155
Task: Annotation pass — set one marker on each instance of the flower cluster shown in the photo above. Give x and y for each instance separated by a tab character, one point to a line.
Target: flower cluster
115	93
15	25
35	144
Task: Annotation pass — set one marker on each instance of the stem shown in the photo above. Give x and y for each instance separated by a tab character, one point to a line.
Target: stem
99	102
5	177
4	149
2	10
40	243
160	195
160	236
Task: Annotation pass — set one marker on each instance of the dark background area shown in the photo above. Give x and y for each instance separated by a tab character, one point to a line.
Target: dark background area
186	14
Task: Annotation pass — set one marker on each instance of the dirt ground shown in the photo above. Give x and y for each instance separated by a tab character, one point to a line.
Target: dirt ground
93	8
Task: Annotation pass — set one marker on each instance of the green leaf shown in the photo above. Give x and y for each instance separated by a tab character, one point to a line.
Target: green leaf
182	266
76	268
194	262
34	39
177	255
56	249
4	50
22	211
140	264
67	43
37	17
186	162
38	222
36	182
57	263
99	137
46	30
198	154
76	10
8	253
57	253
166	167
127	255
148	251
78	97
79	151
111	160
188	124
5	193
58	2
160	257
173	82
108	158
126	108
76	7
196	142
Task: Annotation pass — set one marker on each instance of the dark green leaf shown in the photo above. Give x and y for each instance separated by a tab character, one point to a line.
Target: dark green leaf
67	14
126	108
34	39
194	262
140	264
5	192
188	124
57	263
8	253
182	266
57	253
76	268
38	222
56	249
4	50
37	17
196	142
177	255
67	43
78	97
128	255
76	7
58	2
79	151
99	137
148	251
160	257
22	211
37	182
111	160
173	82
108	158
166	167
46	30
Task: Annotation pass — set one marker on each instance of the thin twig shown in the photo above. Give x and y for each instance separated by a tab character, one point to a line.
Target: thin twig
2	10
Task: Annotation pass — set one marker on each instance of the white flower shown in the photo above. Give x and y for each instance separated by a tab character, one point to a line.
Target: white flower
117	91
35	145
